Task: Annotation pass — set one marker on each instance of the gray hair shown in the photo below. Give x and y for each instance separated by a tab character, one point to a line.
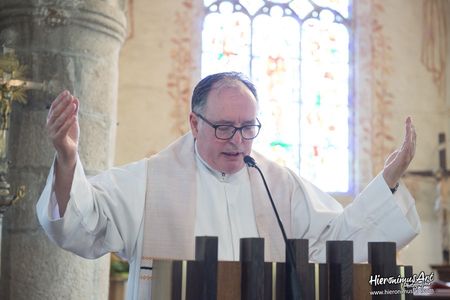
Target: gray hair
204	87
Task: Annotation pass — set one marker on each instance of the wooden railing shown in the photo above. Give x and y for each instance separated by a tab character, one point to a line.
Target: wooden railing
251	278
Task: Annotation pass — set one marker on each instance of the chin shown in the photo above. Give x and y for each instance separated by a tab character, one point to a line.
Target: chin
230	169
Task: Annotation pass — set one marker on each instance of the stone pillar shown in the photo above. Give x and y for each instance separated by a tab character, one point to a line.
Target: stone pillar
66	44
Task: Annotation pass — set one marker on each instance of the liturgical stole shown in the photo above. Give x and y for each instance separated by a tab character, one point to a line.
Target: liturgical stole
170	207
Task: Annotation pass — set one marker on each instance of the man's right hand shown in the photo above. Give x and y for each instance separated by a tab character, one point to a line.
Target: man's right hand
63	128
64	131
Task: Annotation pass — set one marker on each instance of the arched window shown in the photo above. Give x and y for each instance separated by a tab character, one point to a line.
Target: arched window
297	52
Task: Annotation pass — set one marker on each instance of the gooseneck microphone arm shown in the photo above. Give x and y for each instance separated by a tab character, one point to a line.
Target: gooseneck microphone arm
293	288
252	163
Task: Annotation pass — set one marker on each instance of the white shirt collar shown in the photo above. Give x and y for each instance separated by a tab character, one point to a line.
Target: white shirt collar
221	176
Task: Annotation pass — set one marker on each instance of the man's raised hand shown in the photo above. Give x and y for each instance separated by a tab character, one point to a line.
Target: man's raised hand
63	128
399	160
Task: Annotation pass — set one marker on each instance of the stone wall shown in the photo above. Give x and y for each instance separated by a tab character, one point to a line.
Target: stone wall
70	45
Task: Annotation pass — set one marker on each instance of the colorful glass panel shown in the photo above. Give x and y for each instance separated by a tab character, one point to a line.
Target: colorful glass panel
324	149
297	54
275	71
226	41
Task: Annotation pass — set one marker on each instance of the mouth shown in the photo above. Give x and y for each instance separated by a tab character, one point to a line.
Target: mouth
232	154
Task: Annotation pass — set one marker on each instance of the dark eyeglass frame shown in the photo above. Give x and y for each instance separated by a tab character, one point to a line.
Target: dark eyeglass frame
215	126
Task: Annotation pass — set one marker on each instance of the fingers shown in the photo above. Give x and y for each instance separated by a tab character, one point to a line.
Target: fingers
414	138
56	104
63	115
63	108
410	139
59	105
397	163
65	122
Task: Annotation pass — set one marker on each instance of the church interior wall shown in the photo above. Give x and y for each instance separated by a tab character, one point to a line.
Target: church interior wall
146	110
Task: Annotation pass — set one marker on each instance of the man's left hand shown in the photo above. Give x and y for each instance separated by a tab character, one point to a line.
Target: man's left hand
399	160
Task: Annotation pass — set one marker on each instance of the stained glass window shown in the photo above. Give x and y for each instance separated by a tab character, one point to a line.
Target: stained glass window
297	54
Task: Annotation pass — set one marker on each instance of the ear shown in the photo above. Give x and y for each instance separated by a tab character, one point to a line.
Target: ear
193	121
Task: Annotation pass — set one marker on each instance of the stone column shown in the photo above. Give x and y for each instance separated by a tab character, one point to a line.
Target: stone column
66	44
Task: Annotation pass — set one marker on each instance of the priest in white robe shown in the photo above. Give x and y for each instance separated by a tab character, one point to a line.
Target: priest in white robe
199	185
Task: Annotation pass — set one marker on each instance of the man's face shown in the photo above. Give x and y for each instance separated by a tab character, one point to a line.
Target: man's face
226	105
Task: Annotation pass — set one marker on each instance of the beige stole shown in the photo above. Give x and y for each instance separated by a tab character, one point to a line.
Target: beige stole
170	207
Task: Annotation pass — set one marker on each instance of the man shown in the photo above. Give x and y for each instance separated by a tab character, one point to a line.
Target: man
199	185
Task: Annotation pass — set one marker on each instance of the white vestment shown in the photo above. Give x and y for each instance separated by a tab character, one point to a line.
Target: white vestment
106	213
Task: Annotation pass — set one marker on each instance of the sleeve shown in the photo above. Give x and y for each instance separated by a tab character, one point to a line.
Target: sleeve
103	215
374	215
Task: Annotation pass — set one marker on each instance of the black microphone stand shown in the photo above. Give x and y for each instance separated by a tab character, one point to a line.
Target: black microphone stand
292	282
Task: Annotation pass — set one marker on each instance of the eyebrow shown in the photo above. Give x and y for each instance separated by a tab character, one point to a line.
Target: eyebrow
226	122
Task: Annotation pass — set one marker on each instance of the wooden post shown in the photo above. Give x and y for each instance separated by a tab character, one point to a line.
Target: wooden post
176	280
252	262
340	263
202	273
280	284
322	281
305	270
408	272
268	280
383	261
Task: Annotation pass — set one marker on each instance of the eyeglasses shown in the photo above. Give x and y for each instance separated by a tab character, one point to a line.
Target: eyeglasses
226	132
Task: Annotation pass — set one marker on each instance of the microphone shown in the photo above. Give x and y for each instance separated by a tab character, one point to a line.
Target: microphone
292	284
250	161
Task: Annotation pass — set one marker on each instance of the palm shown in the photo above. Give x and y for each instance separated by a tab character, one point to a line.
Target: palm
397	163
62	126
70	141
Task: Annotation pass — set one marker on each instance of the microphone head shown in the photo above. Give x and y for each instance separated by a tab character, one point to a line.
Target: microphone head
249	161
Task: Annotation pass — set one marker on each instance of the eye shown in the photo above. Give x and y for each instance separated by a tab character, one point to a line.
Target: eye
225	128
249	128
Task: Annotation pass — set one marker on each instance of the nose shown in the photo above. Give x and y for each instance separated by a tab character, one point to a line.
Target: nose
237	137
